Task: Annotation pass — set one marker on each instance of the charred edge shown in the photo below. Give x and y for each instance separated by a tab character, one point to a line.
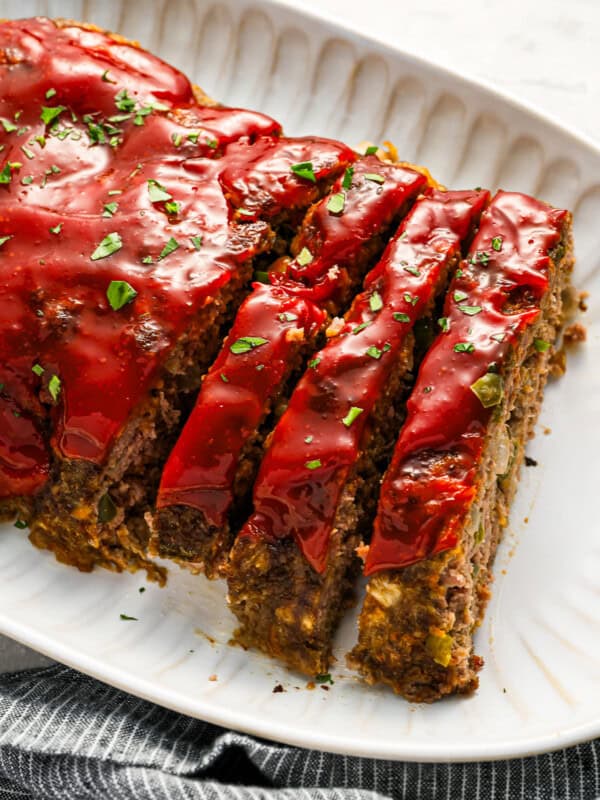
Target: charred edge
431	609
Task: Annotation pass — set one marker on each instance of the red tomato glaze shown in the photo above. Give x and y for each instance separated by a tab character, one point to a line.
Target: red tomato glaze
96	153
430	484
319	437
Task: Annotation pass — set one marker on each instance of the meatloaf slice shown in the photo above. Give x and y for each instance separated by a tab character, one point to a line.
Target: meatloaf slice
446	495
293	565
205	486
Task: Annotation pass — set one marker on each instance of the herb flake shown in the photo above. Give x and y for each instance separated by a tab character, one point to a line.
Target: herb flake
246	344
354	413
109	245
304	170
119	294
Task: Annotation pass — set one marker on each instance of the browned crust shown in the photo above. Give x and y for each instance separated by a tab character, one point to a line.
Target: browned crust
416	626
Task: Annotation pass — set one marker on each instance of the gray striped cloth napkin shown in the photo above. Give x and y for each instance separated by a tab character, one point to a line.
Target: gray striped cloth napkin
64	736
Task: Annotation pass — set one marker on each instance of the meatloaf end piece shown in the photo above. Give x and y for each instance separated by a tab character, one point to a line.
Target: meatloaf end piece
446	496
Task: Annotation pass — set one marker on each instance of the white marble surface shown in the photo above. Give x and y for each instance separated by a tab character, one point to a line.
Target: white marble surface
545	53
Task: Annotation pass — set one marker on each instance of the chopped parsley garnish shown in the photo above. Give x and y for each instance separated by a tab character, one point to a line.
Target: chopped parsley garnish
246	212
54	387
541	345
470	310
259	367
375	302
114	192
21	524
196	241
119	294
177	139
109	209
224	378
314	464
286	316
459	296
355	411
27	152
489	389
50	93
105	77
38	370
314	363
400	317
459	273
412	299
480	256
169	248
6	173
261	275
324	678
212	143
498	337
172	207
464	347
336	203
56	229
374	352
247	343
4	239
8	126
371	150
157	193
123	102
28	179
444	324
413	271
497	243
109	245
304	170
375	177
361	327
347	180
193	137
127	618
147	260
304	257
308	439
427	389
50	113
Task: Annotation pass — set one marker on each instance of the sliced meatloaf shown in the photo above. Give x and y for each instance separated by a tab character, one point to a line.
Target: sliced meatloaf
293	565
205	486
125	251
446	496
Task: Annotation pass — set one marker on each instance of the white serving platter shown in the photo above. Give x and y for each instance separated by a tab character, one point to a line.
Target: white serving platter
540	689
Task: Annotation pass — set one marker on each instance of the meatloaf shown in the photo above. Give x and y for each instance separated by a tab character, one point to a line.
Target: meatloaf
446	496
293	566
130	230
206	482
